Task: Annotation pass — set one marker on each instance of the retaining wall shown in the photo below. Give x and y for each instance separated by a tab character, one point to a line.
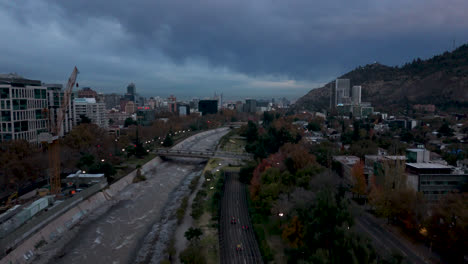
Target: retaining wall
51	225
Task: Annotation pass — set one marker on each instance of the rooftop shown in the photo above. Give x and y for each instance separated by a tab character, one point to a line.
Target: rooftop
416	149
85	100
426	165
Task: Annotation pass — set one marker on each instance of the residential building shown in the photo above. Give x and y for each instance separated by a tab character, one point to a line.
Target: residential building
342	91
112	100
250	106
93	110
356	95
430	108
376	166
131	92
346	163
55	101
87	92
130	107
23	108
146	116
172	104
183	109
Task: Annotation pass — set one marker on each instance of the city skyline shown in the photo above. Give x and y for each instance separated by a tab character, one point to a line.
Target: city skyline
220	46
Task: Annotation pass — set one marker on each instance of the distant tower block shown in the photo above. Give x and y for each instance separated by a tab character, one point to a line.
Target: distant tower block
357	94
342	91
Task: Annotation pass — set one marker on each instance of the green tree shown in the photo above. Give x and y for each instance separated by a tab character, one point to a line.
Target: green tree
168	141
193	234
313	126
84	119
129	121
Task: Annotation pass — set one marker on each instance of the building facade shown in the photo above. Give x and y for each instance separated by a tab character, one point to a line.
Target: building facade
23	108
55	101
87	92
93	110
208	106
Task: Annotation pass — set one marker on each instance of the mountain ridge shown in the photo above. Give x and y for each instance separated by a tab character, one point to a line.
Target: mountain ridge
441	80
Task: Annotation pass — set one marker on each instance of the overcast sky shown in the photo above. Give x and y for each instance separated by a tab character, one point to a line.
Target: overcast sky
243	48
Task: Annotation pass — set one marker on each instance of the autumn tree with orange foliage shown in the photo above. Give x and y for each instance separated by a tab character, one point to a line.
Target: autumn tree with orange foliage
293	233
359	180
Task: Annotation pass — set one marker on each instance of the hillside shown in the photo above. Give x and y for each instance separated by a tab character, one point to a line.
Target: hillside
441	80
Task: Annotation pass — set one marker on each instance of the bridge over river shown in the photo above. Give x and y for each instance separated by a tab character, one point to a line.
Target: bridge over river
204	154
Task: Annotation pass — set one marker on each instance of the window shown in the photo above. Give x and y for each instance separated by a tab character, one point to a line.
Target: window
4	93
6	116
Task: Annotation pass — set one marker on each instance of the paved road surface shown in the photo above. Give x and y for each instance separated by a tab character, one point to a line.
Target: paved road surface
234	204
117	235
385	241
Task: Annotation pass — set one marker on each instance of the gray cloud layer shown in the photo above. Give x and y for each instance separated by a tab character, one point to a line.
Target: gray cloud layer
249	46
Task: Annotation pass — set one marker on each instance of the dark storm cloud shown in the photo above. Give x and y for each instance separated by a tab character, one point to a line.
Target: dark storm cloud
298	38
199	47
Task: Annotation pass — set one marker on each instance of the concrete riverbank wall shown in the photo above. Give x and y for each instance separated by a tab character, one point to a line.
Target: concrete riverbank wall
21	245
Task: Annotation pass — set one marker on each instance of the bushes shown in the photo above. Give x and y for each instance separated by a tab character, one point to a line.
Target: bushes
193	255
194	183
197	205
180	213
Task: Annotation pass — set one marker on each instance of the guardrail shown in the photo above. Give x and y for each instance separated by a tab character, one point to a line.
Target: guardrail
16	236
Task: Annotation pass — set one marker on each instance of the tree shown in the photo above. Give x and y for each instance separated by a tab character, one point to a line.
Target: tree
168	141
252	132
84	119
192	255
129	121
359	180
313	126
293	233
193	234
448	226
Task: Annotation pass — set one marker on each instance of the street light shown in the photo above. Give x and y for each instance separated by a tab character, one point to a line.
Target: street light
280	214
102	160
84	172
123	150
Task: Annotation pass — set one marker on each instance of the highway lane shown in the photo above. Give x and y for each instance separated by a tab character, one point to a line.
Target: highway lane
234	205
385	241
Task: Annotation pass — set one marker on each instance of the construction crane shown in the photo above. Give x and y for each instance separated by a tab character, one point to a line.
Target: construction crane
55	132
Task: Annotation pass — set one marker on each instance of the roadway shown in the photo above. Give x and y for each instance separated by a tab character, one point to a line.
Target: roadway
234	205
385	242
136	226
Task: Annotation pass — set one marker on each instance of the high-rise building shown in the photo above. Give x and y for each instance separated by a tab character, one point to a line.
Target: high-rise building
356	95
183	109
131	89
172	104
93	110
112	100
55	101
23	108
342	91
250	106
208	106
130	107
131	92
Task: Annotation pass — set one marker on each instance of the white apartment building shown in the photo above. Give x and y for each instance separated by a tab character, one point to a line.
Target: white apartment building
92	110
23	108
